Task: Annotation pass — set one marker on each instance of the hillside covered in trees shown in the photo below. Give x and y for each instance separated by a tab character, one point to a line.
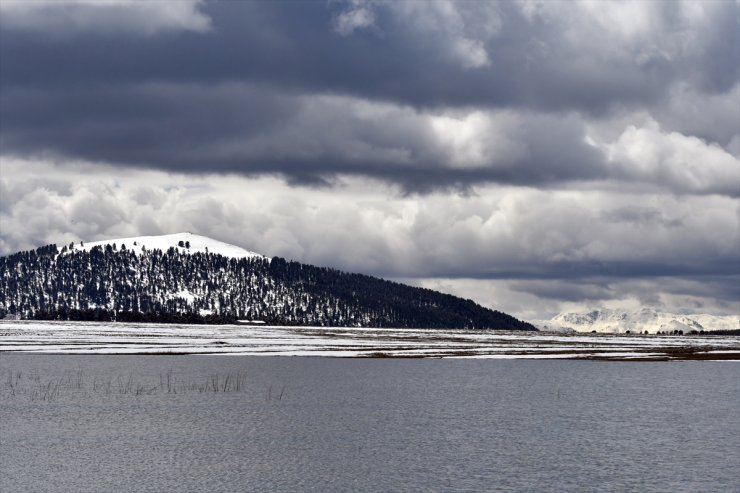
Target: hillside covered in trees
132	283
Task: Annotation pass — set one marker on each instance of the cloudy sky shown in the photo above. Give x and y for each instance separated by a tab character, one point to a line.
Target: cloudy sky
535	156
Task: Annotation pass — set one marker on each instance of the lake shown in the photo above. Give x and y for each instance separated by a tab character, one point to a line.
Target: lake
82	423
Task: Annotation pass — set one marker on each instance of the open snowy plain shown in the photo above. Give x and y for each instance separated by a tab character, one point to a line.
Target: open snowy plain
124	338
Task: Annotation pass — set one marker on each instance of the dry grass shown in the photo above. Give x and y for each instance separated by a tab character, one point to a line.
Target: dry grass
71	383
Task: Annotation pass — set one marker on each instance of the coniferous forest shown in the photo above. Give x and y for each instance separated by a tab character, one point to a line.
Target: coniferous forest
116	283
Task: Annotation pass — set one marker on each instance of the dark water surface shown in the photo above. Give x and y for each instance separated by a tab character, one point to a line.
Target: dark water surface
76	423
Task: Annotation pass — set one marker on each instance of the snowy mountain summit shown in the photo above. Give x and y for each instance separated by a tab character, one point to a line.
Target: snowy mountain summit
636	322
183	242
187	278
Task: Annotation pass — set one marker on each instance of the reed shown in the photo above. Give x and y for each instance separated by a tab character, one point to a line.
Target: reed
75	383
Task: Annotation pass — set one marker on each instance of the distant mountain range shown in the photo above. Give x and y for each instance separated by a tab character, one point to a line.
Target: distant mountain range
639	321
190	278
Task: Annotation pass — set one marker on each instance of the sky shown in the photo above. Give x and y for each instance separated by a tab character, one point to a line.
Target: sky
534	156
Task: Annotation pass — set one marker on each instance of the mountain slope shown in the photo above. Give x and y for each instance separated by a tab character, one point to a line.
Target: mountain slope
640	321
118	281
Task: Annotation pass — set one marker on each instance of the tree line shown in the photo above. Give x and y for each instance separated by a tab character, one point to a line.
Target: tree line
131	283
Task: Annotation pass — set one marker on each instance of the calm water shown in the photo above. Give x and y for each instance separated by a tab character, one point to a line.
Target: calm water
315	424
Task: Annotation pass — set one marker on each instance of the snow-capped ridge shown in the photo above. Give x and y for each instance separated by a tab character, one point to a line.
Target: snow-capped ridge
197	244
638	321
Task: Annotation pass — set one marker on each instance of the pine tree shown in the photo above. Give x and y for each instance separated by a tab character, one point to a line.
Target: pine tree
103	283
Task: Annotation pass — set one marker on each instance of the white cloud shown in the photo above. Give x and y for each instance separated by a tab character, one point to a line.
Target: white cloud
685	163
525	246
104	16
632	29
714	117
472	53
356	17
464	29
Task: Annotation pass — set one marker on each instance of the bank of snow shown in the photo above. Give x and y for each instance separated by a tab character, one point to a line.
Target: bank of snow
198	244
138	338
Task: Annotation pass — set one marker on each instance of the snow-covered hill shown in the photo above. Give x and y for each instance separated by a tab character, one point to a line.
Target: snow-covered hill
196	244
639	321
713	322
162	279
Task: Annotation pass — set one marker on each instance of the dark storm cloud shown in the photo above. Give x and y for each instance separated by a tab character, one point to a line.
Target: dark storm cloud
293	46
724	290
685	266
248	93
310	139
533	61
237	128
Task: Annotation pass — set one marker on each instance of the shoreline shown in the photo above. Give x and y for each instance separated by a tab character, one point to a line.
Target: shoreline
342	342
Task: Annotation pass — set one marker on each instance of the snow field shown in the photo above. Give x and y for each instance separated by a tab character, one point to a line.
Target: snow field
124	338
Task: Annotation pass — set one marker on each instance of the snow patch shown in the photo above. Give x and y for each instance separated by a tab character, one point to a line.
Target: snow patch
139	338
184	294
198	244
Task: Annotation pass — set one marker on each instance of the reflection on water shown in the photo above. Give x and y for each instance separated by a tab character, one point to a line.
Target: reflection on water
159	423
